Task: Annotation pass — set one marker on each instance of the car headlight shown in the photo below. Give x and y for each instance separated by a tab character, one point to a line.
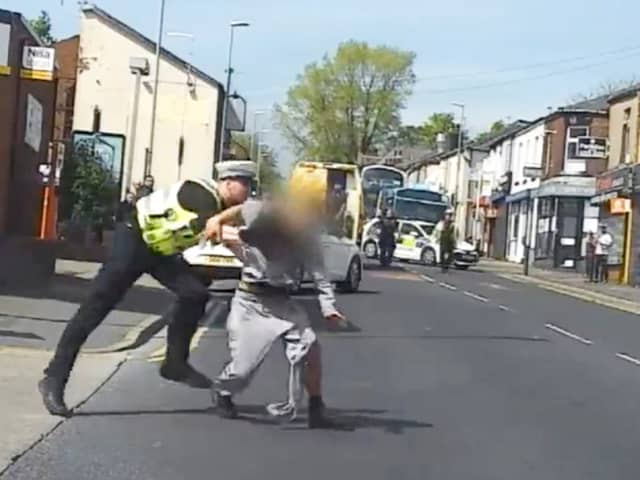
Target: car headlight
421	244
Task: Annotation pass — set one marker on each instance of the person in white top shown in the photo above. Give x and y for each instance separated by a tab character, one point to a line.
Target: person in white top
603	246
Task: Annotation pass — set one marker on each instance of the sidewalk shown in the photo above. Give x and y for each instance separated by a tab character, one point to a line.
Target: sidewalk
620	297
22	416
35	318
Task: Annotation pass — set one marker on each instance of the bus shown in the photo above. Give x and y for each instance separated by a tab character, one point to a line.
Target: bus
374	179
417	202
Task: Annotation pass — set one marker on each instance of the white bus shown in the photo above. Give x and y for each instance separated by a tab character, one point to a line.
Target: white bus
417	202
375	178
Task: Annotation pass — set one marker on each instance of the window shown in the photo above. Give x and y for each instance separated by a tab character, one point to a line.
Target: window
572	163
544	231
624	151
408	229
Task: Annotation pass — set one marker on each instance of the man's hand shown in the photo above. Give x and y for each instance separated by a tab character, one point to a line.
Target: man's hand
213	229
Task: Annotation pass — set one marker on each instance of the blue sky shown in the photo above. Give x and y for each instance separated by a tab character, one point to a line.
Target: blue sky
466	51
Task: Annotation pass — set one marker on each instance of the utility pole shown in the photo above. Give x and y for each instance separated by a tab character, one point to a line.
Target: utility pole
156	82
225	108
460	159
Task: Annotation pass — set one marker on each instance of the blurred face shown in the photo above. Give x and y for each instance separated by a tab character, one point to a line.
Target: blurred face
235	190
148	182
603	229
130	197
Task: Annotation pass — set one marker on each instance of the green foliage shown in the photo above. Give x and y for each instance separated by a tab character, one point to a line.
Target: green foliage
496	128
42	27
346	104
435	124
270	177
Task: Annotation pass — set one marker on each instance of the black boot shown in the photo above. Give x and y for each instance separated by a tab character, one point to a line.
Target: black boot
318	418
52	391
225	406
182	372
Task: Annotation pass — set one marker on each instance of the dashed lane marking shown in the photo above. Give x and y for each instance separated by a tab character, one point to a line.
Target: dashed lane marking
428	278
448	286
504	308
476	297
566	333
628	358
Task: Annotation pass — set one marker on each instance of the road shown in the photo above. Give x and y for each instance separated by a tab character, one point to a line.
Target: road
442	376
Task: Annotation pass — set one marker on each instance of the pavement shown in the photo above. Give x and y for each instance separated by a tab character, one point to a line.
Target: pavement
466	375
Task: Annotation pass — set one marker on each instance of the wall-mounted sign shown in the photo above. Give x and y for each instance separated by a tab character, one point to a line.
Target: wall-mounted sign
33	127
614	181
5	36
38	63
592	147
532	172
619	205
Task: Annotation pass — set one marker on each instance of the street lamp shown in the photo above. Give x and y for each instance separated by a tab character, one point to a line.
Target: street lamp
254	133
149	156
233	26
459	166
139	66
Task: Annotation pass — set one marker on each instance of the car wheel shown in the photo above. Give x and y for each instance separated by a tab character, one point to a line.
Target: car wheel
297	281
351	284
428	257
370	249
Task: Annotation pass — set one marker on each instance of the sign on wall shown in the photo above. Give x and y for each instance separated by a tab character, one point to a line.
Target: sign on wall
38	63
33	127
592	147
5	36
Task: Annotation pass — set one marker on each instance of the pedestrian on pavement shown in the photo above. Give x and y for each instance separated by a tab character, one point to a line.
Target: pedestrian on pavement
273	243
590	256
603	246
387	241
147	186
126	207
446	237
165	223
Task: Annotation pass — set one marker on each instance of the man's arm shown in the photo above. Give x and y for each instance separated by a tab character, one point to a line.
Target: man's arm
315	266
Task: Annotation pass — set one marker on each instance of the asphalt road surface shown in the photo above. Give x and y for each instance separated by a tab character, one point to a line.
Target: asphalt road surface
457	376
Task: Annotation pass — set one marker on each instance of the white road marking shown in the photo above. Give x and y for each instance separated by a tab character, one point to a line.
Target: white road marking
427	278
476	297
628	358
504	308
566	333
447	286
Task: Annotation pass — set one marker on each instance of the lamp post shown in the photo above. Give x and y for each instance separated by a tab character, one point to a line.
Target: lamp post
225	107
459	163
155	92
254	134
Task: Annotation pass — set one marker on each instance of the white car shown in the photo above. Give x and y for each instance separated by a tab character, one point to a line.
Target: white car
415	242
343	261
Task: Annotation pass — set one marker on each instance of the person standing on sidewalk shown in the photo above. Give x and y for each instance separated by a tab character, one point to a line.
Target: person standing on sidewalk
163	225
603	246
590	256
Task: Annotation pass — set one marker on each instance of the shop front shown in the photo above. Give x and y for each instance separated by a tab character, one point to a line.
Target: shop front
565	216
613	197
521	209
634	247
498	219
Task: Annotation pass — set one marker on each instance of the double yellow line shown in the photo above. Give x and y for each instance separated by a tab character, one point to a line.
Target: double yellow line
160	354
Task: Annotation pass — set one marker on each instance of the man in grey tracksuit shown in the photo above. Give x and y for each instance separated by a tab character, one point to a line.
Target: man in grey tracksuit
263	312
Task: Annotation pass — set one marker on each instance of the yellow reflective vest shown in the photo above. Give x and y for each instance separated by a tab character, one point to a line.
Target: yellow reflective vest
165	225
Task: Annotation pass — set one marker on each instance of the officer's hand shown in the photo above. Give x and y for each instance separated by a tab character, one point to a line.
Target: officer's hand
213	229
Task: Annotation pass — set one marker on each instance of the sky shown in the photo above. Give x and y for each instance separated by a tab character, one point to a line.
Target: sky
504	59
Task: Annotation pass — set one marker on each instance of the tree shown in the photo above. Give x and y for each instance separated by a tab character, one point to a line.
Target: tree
410	136
347	104
605	89
270	176
42	27
495	129
438	123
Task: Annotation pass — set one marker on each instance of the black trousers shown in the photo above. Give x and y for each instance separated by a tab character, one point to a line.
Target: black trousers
129	260
446	259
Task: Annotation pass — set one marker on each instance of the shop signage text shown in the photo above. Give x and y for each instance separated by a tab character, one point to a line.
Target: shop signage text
614	181
592	147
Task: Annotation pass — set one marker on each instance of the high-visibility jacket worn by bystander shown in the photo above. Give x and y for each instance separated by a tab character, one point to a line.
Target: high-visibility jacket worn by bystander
171	219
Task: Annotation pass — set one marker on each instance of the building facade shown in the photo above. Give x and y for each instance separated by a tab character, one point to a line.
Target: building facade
189	102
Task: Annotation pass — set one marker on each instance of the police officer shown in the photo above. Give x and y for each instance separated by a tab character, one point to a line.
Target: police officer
164	224
446	235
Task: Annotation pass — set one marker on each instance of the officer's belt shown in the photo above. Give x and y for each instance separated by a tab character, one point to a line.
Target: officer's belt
261	288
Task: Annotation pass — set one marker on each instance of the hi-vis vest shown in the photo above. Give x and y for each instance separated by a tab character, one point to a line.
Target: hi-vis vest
164	223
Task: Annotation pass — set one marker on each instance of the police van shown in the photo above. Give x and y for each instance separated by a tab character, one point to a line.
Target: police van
343	258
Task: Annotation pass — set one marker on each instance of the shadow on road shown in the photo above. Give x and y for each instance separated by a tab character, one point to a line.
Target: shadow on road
348	420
